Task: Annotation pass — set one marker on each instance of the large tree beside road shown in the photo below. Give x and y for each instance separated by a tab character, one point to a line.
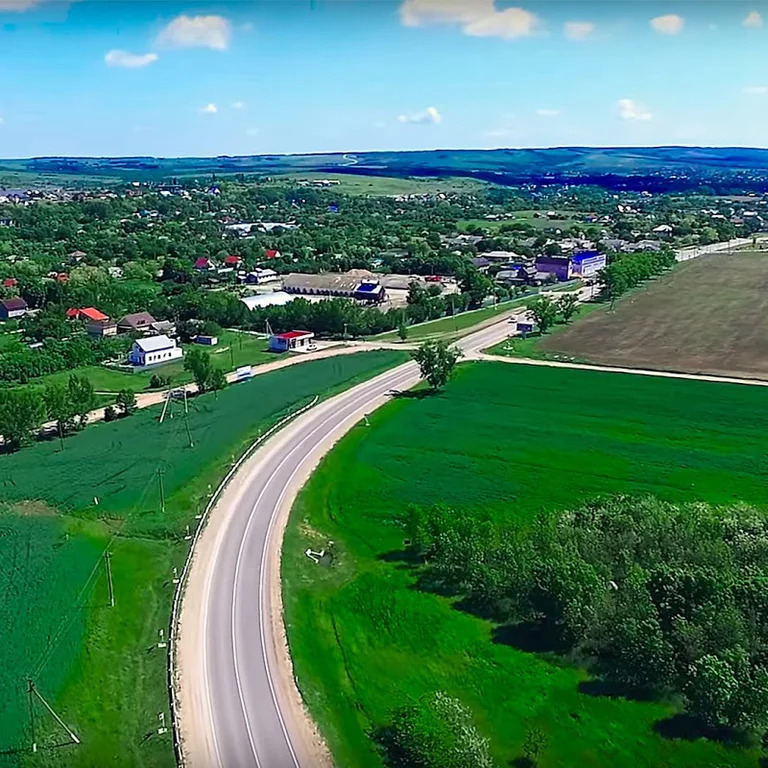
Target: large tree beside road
436	361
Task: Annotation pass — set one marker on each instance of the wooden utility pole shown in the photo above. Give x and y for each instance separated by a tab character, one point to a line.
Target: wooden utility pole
162	494
107	557
34	692
30	691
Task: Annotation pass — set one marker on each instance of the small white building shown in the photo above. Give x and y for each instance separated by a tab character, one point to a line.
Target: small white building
292	341
154	350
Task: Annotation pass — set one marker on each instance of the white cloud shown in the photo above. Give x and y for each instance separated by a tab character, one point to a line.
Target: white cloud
578	30
631	110
238	105
210	109
117	58
428	115
19	6
477	18
2	120
753	20
671	24
196	32
547	112
755	90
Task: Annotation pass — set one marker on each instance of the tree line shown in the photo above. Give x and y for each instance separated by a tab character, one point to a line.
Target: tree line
656	597
627	271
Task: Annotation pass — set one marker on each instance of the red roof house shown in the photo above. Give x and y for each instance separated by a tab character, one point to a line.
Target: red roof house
87	313
203	263
272	254
291	341
233	261
10	282
62	277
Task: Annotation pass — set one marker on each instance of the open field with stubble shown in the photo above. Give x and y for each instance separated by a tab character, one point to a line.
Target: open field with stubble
708	315
60	509
500	442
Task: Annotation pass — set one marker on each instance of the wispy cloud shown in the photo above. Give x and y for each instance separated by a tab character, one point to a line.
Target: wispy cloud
477	18
210	109
426	116
671	24
196	32
19	6
578	30
753	20
755	90
629	109
238	105
547	112
117	58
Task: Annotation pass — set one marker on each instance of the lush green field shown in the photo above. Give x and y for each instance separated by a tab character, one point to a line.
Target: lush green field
100	666
500	441
523	217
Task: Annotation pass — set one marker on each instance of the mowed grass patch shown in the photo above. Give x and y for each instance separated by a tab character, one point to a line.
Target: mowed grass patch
708	315
100	666
501	441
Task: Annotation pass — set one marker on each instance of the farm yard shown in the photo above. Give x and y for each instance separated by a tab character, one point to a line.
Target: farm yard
709	315
500	442
62	508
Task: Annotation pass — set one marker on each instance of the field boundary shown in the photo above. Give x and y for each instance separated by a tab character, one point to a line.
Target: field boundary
179	592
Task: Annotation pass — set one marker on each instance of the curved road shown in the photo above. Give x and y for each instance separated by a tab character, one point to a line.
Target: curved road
239	707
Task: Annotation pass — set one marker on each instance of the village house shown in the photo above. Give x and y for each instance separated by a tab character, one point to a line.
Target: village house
97	324
136	322
11	308
154	350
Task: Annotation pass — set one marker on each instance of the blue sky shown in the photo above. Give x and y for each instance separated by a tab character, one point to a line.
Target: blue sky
162	77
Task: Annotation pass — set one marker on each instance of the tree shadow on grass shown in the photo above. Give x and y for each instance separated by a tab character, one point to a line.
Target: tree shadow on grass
530	636
690	728
412	394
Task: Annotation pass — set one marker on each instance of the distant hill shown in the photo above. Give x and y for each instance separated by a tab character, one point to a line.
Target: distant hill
500	165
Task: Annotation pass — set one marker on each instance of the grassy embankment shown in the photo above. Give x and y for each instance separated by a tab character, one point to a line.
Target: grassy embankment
100	666
501	441
455	326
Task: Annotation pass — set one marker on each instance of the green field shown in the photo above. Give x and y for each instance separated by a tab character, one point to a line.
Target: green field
100	666
500	441
524	217
390	185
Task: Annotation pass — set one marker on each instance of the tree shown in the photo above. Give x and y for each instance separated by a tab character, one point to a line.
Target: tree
567	305
544	312
436	361
21	412
217	380
59	407
535	743
126	402
402	330
436	732
81	396
199	363
476	285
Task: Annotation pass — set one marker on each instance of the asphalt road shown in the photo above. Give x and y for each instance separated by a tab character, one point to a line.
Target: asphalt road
236	709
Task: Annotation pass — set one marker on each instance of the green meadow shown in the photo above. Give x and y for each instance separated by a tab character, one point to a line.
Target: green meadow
502	441
62	508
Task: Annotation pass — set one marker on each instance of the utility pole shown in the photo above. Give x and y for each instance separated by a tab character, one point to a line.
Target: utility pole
30	691
189	434
33	691
231	356
107	557
160	483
